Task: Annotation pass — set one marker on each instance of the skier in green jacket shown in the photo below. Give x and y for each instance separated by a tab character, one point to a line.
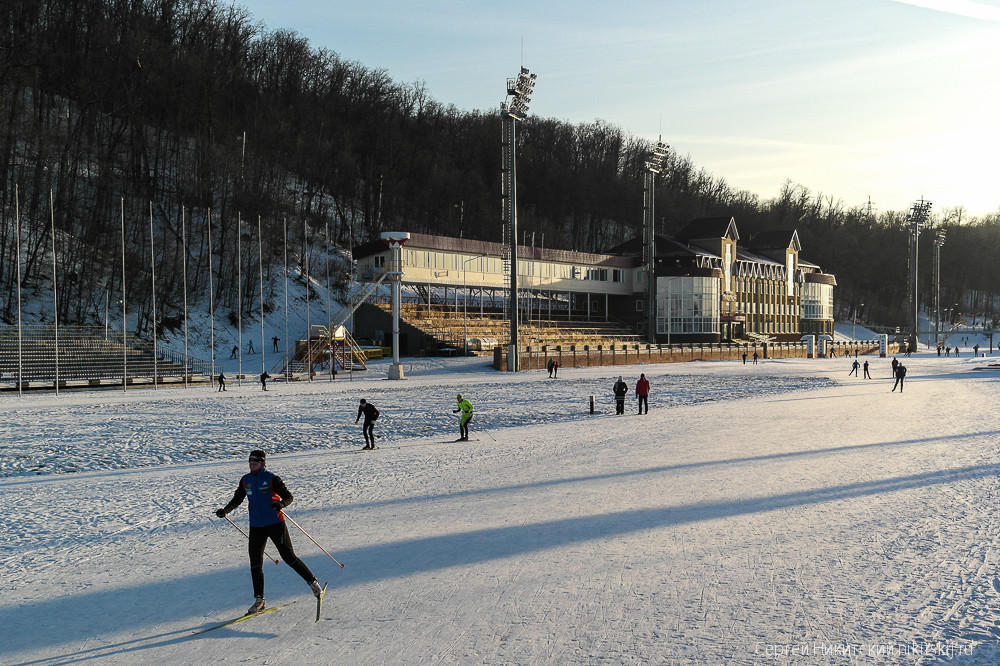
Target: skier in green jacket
465	407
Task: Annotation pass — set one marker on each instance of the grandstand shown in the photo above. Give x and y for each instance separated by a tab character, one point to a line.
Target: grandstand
89	356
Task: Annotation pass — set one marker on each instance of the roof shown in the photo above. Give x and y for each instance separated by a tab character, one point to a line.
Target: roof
705	228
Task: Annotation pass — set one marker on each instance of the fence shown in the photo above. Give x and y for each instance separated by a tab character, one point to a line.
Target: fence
535	358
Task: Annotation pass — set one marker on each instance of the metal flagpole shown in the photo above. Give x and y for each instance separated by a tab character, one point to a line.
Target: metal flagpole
55	298
152	281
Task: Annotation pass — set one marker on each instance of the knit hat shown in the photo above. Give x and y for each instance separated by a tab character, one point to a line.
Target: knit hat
459	396
258	456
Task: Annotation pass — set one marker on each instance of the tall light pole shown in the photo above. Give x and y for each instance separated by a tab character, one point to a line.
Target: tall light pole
919	213
514	108
653	166
938	242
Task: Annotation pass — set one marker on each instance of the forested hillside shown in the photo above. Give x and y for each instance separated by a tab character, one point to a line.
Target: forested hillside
190	118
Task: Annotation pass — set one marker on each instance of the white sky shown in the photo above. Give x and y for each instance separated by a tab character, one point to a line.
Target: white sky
885	99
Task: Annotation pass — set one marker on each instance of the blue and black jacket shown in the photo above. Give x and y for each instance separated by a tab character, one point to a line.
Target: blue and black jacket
261	490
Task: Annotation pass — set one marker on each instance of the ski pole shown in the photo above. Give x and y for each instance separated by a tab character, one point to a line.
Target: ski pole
248	537
292	520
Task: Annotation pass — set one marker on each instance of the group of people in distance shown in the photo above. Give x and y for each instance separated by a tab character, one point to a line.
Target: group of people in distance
620	389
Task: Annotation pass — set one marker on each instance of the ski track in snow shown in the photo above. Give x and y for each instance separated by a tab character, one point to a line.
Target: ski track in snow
778	514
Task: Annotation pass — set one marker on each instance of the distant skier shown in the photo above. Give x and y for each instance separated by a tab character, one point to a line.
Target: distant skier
267	496
895	364
274	341
755	357
900	376
620	389
465	407
370	413
222	382
236	350
549	366
867	376
854	368
555	369
250	349
263	380
642	392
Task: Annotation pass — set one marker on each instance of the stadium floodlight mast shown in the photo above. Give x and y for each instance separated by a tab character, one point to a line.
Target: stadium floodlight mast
919	214
654	164
938	242
513	109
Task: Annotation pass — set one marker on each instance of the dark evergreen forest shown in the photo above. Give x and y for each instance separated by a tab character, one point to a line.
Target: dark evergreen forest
189	121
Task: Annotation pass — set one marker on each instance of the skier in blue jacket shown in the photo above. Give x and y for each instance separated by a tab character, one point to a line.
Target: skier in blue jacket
266	496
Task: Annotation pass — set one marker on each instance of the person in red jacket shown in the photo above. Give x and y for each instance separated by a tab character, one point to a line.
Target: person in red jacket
642	392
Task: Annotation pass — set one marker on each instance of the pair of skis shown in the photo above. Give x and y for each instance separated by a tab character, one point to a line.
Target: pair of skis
247	616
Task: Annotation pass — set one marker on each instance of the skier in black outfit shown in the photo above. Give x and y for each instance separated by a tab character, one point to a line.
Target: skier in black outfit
620	388
267	496
900	375
222	382
368	428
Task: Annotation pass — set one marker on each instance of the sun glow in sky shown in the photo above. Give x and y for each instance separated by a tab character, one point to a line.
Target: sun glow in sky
889	99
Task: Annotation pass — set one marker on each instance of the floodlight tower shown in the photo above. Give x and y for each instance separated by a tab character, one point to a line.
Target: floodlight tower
938	242
513	109
919	213
653	166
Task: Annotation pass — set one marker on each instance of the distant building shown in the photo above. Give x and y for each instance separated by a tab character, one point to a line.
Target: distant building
710	287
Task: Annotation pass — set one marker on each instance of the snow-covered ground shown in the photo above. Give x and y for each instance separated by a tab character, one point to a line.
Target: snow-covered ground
778	513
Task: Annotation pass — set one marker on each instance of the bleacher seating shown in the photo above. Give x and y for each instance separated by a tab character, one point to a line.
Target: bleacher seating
450	328
87	358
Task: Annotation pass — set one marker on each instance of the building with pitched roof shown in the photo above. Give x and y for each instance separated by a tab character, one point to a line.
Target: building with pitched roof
711	285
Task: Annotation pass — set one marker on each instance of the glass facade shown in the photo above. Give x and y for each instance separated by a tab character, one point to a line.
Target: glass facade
690	304
817	300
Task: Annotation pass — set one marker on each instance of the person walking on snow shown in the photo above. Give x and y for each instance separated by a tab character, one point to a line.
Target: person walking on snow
854	368
867	376
895	364
222	382
367	410
267	496
642	392
263	380
465	407
900	375
620	389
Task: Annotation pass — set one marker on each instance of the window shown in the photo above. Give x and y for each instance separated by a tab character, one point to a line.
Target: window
379	260
617	275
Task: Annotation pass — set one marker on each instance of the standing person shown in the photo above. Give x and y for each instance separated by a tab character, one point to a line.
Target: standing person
642	392
854	368
555	369
236	350
263	380
900	375
549	367
744	358
250	348
267	496
895	364
274	341
755	357
222	381
465	407
368	427
867	376
620	389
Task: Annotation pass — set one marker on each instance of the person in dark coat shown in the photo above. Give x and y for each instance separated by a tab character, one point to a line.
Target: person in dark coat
867	376
620	390
267	496
900	375
222	381
263	380
367	410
